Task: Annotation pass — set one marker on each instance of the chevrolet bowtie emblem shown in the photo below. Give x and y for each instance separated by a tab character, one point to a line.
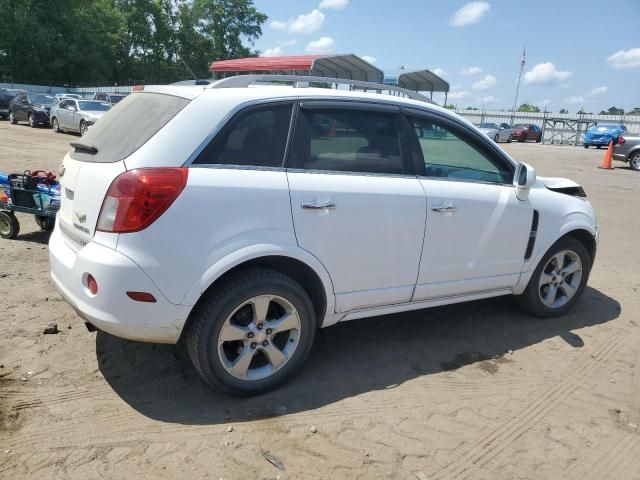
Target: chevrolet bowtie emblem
80	216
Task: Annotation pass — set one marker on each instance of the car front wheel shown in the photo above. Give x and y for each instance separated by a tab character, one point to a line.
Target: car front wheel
12	118
252	333
559	279
634	163
83	128
55	125
32	121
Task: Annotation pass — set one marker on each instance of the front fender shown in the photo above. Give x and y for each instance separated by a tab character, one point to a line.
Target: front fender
253	252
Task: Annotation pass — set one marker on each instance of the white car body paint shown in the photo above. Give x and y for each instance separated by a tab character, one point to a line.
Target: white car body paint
381	250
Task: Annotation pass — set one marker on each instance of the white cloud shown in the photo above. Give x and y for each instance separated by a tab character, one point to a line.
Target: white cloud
545	74
333	4
575	99
369	59
625	58
470	71
489	99
322	45
598	91
471	13
543	103
272	52
439	72
305	23
458	95
487	82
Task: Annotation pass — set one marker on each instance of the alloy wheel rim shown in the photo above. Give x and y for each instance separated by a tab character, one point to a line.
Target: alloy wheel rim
83	129
5	227
55	125
259	337
31	122
560	279
11	117
636	162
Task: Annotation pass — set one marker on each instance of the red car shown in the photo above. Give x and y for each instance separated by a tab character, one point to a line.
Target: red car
526	131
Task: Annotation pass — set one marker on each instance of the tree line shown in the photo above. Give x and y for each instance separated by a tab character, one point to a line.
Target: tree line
89	42
525	107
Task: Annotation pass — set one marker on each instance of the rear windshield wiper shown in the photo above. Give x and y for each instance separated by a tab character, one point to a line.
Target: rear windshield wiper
90	149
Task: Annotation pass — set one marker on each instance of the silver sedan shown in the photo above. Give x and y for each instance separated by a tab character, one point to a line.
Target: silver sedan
499	133
76	115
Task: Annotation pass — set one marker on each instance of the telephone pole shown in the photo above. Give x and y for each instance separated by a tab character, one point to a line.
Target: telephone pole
515	100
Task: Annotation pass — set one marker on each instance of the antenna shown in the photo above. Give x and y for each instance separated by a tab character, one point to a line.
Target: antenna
187	67
515	100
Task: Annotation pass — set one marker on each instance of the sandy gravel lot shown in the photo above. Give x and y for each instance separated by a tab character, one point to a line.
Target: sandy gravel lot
478	390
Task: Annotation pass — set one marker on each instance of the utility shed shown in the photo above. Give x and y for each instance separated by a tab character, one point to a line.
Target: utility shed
420	81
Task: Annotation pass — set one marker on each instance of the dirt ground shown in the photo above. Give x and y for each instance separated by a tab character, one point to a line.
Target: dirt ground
476	390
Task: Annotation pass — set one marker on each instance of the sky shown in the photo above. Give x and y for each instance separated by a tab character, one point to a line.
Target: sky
579	53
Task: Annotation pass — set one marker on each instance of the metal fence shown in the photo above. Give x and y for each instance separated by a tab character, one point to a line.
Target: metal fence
557	128
86	92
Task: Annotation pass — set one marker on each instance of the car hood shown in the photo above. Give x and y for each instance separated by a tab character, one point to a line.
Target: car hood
488	130
93	114
557	182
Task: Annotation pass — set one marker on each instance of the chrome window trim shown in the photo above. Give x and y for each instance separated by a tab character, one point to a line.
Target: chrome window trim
461	180
342	172
226	166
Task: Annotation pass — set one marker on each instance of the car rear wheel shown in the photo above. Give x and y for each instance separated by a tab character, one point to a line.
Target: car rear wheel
539	139
32	120
45	223
55	125
586	145
598	147
252	333
83	127
559	279
510	139
9	225
634	163
496	138
12	118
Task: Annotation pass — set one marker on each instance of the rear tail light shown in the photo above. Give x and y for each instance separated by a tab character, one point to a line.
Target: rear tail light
92	285
137	198
621	141
141	297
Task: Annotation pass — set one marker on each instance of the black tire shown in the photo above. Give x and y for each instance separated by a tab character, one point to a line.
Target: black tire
45	223
12	118
496	138
9	225
598	147
531	300
31	120
539	139
210	314
586	145
510	139
83	127
55	125
634	162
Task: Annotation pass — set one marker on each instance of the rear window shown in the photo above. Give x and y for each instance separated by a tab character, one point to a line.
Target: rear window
125	128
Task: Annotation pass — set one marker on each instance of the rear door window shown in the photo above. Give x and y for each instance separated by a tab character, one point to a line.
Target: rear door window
255	137
123	130
348	140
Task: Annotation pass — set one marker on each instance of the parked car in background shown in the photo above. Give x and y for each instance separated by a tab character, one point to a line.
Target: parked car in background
627	149
602	133
111	98
499	133
5	98
209	223
77	115
62	96
32	108
524	132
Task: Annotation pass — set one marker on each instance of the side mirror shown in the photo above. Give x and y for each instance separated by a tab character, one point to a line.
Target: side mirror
501	127
525	178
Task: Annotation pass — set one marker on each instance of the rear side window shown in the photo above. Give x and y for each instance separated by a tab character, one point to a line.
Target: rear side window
255	137
123	130
347	141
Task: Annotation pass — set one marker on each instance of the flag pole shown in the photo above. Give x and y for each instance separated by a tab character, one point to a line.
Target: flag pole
515	100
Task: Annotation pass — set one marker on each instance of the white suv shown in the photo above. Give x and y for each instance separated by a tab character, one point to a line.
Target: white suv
241	219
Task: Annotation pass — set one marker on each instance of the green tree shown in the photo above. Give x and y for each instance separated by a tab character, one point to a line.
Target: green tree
634	111
525	107
563	110
615	111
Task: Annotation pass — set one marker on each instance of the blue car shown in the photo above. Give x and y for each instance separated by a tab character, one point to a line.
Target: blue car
602	133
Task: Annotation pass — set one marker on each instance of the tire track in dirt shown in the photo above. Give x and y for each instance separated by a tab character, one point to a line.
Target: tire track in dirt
502	437
616	461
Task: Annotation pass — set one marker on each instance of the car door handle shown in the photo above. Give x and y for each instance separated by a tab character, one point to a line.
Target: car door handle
444	208
319	206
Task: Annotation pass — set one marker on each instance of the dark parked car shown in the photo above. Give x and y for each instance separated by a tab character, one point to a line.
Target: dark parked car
111	98
5	99
627	149
527	131
32	108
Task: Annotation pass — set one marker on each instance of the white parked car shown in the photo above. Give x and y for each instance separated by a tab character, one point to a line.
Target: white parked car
72	115
499	133
239	220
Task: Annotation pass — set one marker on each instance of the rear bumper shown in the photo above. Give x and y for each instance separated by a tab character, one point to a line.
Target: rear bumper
621	157
111	310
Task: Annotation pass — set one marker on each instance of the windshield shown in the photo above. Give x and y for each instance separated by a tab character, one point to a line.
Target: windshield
42	99
521	125
489	125
116	98
94	106
607	126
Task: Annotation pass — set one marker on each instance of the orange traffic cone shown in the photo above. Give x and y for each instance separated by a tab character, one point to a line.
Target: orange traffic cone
608	157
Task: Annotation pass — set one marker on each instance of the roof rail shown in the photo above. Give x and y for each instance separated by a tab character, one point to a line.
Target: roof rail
240	81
